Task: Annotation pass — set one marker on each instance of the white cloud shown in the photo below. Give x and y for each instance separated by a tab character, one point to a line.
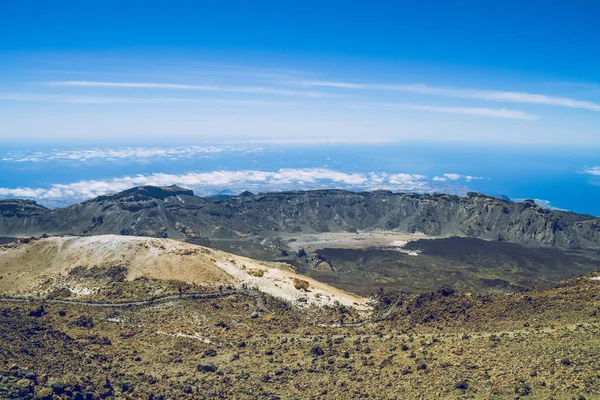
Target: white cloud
542	203
452	177
204	88
455	177
23	192
36	97
205	183
481	94
593	171
476	111
482	112
175	153
343	85
120	153
406	180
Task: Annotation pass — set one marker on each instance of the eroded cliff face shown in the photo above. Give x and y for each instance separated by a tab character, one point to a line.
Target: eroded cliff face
176	213
20	217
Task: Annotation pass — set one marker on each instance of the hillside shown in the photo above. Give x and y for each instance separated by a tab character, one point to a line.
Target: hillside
536	345
176	213
89	266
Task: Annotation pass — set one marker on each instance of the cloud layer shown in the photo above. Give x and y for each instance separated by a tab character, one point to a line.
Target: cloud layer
206	183
479	94
70	99
126	99
204	88
279	90
477	111
120	153
455	177
208	102
172	153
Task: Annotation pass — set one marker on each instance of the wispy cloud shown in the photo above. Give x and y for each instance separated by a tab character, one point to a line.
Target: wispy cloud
491	95
205	88
593	171
205	183
143	100
475	111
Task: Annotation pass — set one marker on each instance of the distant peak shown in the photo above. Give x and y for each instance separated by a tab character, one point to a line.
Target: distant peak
155	192
160	192
20	201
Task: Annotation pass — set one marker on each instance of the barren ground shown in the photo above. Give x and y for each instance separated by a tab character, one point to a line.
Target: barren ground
537	345
86	264
347	240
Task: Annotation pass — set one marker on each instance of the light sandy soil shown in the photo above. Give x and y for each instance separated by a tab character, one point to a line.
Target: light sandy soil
45	264
346	240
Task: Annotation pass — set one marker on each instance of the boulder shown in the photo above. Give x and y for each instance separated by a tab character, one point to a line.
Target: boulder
207	367
44	394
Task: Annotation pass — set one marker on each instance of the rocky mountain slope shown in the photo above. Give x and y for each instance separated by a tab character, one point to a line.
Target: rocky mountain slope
176	213
86	266
539	344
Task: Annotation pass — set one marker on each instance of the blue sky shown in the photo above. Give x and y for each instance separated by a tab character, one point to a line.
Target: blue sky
152	72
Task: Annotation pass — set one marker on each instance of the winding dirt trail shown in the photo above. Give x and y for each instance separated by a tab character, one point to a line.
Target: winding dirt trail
261	306
134	303
260	303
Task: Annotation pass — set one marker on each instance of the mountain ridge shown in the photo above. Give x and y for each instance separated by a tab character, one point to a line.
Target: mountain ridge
175	212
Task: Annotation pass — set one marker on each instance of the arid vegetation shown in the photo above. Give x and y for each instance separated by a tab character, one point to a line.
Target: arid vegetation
301	284
445	344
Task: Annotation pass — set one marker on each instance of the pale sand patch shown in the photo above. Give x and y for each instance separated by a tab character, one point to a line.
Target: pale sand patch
180	334
595	278
345	240
398	245
27	267
82	290
278	281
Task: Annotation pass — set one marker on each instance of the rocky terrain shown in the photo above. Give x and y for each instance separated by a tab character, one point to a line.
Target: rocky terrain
176	213
64	344
357	242
457	297
466	264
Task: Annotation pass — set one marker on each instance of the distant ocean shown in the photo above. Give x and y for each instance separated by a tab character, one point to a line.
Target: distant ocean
561	177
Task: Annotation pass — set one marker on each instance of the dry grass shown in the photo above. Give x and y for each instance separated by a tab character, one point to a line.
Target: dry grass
259	273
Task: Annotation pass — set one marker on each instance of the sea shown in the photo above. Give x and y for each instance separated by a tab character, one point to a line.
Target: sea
562	177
